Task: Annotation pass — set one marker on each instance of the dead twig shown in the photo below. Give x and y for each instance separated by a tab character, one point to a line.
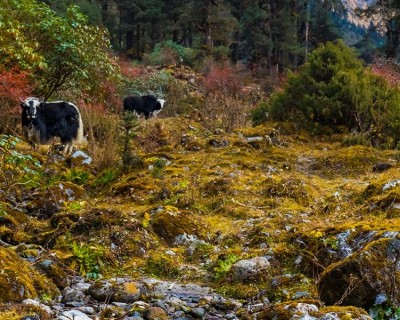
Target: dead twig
249	206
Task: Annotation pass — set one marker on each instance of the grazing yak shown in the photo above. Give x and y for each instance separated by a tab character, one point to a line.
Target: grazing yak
43	121
148	105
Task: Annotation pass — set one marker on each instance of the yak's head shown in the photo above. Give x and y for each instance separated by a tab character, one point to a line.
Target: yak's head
30	106
161	102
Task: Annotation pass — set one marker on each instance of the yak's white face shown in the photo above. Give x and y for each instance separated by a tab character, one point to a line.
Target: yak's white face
161	101
30	105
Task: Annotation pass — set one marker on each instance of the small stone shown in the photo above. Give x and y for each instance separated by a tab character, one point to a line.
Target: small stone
156	313
198	313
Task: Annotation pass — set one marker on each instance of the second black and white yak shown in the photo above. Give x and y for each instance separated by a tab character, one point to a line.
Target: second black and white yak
147	105
44	121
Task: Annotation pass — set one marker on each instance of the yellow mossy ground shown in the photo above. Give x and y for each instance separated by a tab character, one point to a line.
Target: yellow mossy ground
241	199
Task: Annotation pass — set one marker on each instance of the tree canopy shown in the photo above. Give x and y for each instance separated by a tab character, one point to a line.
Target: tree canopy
275	34
59	52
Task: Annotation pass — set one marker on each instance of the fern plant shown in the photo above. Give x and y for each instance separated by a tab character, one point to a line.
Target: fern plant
86	259
224	266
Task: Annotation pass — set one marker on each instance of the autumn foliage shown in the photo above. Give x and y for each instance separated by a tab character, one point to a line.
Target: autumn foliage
222	80
14	85
388	70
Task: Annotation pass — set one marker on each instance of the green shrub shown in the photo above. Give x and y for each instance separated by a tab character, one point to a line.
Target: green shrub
332	89
260	113
106	177
128	127
155	83
169	52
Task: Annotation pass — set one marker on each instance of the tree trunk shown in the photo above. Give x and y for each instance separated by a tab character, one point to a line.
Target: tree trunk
307	33
129	40
209	42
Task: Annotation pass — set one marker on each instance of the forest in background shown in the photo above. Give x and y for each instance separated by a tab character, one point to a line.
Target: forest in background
272	34
96	52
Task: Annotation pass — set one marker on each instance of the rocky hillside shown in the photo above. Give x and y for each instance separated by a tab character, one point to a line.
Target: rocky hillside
266	222
351	7
354	27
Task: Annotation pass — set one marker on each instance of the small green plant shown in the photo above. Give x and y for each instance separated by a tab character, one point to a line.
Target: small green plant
3	211
16	169
45	298
158	166
74	205
224	266
146	220
76	175
86	259
107	176
331	242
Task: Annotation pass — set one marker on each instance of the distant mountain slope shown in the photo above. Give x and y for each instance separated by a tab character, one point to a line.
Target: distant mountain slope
353	5
354	26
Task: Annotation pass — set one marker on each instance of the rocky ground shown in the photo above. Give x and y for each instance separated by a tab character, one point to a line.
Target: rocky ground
262	223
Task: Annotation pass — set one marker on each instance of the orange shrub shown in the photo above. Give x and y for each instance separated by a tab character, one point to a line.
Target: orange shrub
14	85
223	80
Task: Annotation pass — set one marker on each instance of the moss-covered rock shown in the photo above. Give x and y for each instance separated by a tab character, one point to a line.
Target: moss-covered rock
19	280
116	289
359	278
311	309
170	222
45	203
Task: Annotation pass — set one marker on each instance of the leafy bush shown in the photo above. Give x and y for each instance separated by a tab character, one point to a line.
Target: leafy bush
332	89
155	83
222	79
62	53
106	177
169	52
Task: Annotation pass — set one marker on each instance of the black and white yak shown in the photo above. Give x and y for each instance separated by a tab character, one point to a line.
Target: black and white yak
43	121
147	105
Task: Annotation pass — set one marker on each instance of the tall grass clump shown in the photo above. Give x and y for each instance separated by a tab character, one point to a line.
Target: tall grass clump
101	129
